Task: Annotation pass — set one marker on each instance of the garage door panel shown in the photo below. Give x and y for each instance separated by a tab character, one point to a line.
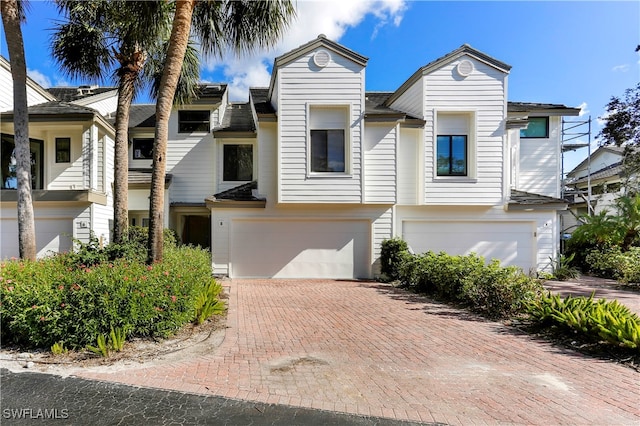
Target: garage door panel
52	235
510	242
300	249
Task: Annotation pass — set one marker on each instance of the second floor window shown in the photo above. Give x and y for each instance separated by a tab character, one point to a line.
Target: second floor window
538	127
238	163
327	150
193	121
142	148
8	167
63	150
452	155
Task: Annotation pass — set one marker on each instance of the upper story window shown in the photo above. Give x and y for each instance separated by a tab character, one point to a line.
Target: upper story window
238	163
63	150
538	127
8	163
142	148
193	121
328	139
455	144
452	155
327	150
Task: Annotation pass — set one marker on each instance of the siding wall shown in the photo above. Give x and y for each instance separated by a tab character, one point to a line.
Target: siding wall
410	174
191	161
103	106
380	163
6	92
301	85
482	93
540	162
412	100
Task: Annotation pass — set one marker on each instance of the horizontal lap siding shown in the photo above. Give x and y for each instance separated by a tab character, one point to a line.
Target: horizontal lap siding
380	164
190	161
341	83
411	101
539	163
482	92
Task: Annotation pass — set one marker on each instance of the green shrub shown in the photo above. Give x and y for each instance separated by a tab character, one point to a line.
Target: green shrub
499	292
562	267
392	253
489	289
609	321
616	264
55	300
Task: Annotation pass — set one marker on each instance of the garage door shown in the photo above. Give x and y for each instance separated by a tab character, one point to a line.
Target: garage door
52	235
300	249
511	243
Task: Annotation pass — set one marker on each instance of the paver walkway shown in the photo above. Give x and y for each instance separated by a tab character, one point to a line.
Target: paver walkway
603	289
370	349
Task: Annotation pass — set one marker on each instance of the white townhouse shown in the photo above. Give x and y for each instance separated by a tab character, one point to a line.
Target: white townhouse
310	176
325	171
72	165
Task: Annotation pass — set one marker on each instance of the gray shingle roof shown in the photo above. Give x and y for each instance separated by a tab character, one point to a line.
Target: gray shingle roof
237	118
57	108
260	101
541	107
69	94
211	91
530	199
142	115
604	173
242	192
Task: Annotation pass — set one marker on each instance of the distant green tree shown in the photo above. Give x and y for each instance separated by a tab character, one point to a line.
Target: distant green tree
622	128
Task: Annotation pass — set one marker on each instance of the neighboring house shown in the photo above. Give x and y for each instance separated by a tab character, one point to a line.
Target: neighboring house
601	176
313	173
307	178
72	165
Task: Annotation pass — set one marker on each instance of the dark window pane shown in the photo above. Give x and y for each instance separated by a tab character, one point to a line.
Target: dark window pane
237	163
538	128
8	163
63	150
451	155
193	121
327	150
143	148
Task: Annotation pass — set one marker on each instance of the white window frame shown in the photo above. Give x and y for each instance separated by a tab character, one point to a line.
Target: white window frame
347	108
472	140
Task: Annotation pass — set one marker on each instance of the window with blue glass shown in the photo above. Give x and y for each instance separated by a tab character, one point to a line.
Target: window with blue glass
452	155
538	127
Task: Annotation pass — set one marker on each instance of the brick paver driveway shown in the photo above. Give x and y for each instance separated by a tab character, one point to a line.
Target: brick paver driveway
367	348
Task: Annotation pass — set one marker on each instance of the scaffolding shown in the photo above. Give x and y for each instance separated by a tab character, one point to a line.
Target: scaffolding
573	136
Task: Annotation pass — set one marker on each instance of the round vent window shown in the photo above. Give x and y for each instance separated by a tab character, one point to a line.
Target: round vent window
321	58
465	68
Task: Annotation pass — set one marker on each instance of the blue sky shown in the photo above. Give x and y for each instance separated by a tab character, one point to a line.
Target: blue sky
574	53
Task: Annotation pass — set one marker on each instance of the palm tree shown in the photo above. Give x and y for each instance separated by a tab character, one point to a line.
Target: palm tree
12	16
241	25
97	35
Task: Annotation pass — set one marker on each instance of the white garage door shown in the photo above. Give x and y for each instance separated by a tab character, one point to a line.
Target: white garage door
52	235
300	249
511	243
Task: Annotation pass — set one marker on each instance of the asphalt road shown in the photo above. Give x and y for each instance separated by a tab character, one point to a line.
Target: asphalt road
29	398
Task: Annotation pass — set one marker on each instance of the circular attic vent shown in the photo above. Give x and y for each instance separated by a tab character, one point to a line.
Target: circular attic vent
321	58
465	68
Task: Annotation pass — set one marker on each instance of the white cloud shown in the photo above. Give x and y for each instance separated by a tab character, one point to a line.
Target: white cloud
39	78
621	68
331	18
584	109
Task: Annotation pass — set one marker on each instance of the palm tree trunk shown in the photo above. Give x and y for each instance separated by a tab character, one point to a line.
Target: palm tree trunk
26	223
130	67
175	56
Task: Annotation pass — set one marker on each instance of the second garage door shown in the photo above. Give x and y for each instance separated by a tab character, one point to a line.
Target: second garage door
511	243
300	248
